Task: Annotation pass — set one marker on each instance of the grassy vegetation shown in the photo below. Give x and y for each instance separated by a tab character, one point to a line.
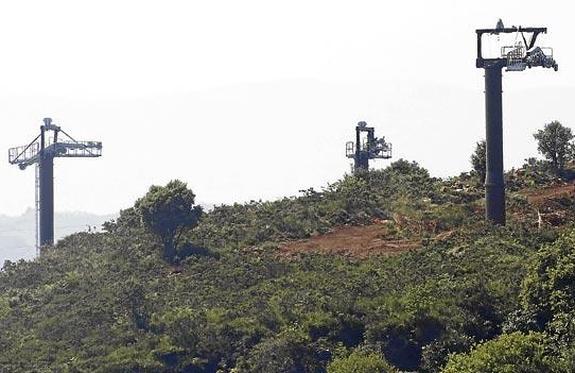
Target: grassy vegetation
107	302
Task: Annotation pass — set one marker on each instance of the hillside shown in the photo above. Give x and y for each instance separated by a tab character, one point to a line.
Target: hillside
392	270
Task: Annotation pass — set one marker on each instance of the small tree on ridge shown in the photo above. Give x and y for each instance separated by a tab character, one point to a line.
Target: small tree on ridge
168	212
554	142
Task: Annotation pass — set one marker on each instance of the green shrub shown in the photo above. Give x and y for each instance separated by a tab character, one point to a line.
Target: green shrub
510	353
549	288
360	362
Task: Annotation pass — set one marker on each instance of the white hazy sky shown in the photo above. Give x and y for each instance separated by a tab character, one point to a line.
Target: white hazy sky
256	99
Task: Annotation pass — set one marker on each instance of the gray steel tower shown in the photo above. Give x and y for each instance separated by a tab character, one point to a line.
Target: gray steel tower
41	152
517	57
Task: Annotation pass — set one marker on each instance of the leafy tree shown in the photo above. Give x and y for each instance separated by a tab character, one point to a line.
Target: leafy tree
554	142
168	212
478	160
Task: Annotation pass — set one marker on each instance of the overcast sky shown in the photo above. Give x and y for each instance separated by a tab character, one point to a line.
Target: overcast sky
256	99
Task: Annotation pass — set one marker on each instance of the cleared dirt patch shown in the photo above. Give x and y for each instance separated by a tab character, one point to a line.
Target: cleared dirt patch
352	241
541	195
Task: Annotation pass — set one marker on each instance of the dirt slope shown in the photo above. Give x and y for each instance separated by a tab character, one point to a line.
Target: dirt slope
540	196
356	241
554	205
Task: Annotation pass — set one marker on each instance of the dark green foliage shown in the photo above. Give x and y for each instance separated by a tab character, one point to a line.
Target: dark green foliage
169	212
548	294
285	353
554	142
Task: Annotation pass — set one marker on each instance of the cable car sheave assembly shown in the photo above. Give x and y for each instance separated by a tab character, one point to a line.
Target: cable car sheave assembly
523	54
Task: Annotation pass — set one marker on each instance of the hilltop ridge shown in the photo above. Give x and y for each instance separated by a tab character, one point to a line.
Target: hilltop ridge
235	302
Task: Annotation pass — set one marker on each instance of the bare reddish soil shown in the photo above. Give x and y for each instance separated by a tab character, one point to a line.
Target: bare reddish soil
353	241
553	205
541	195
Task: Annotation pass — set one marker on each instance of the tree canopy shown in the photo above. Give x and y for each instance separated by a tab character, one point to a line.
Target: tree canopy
554	142
168	212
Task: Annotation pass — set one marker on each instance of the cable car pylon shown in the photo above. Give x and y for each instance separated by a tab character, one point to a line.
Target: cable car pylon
52	142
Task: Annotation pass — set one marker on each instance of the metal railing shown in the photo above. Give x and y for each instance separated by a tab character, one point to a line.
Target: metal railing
23	153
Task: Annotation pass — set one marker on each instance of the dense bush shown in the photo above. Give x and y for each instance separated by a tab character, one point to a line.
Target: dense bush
510	353
548	294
